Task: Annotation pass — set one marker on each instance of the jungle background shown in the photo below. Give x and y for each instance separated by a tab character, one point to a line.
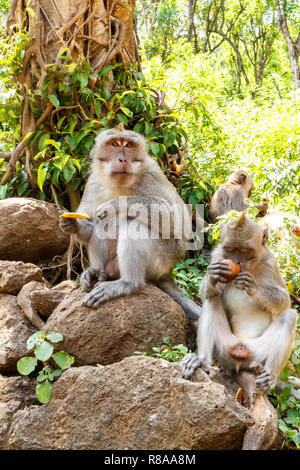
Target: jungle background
214	86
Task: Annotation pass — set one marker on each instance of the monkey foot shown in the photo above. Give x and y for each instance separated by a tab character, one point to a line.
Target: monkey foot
190	363
239	351
89	277
265	381
257	367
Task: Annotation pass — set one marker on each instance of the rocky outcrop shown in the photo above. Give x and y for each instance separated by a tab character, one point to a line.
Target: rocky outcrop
30	230
139	403
15	394
14	332
118	328
15	274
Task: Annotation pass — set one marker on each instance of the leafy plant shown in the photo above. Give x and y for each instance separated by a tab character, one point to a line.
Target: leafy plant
167	351
42	346
288	411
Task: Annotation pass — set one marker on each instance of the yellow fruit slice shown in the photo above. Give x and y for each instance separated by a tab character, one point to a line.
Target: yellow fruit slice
74	215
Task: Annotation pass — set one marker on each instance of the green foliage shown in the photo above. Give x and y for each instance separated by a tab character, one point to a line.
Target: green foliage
167	351
288	411
189	273
82	104
40	343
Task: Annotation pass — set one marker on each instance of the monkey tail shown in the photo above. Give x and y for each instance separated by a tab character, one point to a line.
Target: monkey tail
190	308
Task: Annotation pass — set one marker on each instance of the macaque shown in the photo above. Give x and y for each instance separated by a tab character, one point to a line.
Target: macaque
126	186
246	323
231	195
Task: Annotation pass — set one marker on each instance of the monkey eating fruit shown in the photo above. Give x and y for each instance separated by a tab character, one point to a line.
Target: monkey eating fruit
248	321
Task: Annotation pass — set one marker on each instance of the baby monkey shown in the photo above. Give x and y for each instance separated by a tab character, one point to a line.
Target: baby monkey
246	323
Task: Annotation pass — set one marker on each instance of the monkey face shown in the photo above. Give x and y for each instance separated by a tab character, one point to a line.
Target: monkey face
243	241
245	256
121	157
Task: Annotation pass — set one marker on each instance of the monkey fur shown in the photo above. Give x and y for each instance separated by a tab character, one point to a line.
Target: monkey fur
121	167
247	321
231	195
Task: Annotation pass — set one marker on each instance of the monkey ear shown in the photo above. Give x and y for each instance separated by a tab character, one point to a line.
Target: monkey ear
242	178
120	127
265	235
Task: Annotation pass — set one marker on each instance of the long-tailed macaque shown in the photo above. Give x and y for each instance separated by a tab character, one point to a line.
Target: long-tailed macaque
127	186
246	323
231	195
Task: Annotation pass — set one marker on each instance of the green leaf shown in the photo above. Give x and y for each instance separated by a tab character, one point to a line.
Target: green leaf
169	139
68	172
53	142
63	359
41	377
41	176
54	100
148	128
42	141
97	106
139	128
122	118
54	337
155	148
43	351
26	365
43	392
21	188
35	339
3	191
127	111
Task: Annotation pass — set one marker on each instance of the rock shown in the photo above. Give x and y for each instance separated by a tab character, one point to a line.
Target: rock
15	274
36	299
30	230
14	332
45	301
15	393
139	403
25	302
119	327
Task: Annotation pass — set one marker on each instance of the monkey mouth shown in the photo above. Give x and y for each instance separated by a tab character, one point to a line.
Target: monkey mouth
120	173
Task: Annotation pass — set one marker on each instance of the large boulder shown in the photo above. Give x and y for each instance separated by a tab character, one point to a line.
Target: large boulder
139	403
15	329
15	274
15	394
30	230
117	328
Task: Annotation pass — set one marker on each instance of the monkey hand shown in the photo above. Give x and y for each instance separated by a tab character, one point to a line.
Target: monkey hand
68	226
245	281
90	277
219	272
109	208
190	363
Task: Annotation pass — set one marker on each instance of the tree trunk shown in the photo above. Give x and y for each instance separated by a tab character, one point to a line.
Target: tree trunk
96	32
293	47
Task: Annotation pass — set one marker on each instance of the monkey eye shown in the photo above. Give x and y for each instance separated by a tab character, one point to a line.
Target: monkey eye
230	250
115	143
129	144
244	250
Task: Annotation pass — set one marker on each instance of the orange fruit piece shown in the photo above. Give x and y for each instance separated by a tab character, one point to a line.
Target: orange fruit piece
74	215
235	269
